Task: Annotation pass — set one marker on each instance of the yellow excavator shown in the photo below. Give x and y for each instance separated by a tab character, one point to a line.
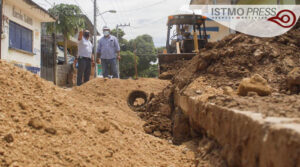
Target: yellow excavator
186	35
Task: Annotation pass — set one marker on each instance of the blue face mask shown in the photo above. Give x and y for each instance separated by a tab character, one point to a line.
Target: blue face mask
106	33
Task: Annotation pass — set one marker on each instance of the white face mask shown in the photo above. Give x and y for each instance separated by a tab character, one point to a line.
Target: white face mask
106	33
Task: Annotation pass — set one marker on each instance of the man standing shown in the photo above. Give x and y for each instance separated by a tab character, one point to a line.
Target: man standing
108	51
85	49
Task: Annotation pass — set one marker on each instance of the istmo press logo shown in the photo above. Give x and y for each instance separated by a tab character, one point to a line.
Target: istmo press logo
256	20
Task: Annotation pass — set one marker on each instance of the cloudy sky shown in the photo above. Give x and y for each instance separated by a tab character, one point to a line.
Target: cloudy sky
144	16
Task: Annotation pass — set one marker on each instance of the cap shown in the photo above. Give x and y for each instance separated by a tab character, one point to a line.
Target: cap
106	28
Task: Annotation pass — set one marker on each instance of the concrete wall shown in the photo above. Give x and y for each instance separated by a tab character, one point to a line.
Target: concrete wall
63	75
216	31
247	139
30	61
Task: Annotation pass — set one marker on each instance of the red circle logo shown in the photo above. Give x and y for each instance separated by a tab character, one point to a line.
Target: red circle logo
285	18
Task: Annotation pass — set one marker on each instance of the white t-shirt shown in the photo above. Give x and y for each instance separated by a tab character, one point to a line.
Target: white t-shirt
85	48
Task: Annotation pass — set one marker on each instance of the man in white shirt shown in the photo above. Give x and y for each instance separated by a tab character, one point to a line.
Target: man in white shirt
85	58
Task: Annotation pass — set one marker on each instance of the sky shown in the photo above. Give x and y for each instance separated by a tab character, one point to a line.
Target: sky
144	16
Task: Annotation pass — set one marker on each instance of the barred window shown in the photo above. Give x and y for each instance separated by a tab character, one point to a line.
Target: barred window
20	37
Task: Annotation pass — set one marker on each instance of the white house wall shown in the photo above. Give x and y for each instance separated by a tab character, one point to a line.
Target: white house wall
25	60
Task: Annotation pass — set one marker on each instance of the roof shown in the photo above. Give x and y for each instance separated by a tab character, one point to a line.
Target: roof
30	2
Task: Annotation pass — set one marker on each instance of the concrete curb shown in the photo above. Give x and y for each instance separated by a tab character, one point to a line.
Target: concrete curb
247	138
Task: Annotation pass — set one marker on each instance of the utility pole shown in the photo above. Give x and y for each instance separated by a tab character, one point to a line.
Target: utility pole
135	61
95	36
120	25
54	34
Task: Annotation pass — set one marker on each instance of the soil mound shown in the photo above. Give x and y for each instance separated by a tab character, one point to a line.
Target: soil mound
238	56
42	125
223	65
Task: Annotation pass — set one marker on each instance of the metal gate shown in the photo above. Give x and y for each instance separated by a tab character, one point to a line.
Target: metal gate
47	58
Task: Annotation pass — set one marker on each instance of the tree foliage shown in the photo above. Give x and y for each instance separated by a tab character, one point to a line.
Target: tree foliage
127	68
123	42
69	22
151	72
145	52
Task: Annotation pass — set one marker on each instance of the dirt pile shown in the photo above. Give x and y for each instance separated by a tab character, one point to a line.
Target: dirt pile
216	73
42	125
158	115
219	69
227	62
169	70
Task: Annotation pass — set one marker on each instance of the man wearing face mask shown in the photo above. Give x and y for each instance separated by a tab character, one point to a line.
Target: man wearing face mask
108	51
85	58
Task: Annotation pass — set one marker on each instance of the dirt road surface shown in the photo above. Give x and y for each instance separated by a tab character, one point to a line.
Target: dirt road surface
43	125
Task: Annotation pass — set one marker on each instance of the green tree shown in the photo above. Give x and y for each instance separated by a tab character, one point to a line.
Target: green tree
160	49
123	42
151	72
127	68
68	23
145	50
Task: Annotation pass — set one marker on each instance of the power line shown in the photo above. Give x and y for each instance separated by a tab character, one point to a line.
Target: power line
144	7
155	20
103	19
83	11
128	16
130	20
115	4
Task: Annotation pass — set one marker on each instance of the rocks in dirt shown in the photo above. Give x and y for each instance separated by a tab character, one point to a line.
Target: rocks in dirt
165	109
51	131
227	90
36	123
202	65
109	154
293	80
254	84
166	75
8	138
103	127
252	94
198	92
148	129
157	134
258	54
22	106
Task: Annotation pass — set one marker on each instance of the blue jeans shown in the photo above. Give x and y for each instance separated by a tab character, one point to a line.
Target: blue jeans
109	64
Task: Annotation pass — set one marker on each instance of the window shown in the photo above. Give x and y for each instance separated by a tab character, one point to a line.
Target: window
20	37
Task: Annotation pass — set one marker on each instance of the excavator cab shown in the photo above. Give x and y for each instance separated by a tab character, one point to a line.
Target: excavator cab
186	35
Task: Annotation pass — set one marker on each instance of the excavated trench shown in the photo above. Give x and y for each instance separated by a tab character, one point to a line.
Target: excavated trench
223	136
172	124
237	101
